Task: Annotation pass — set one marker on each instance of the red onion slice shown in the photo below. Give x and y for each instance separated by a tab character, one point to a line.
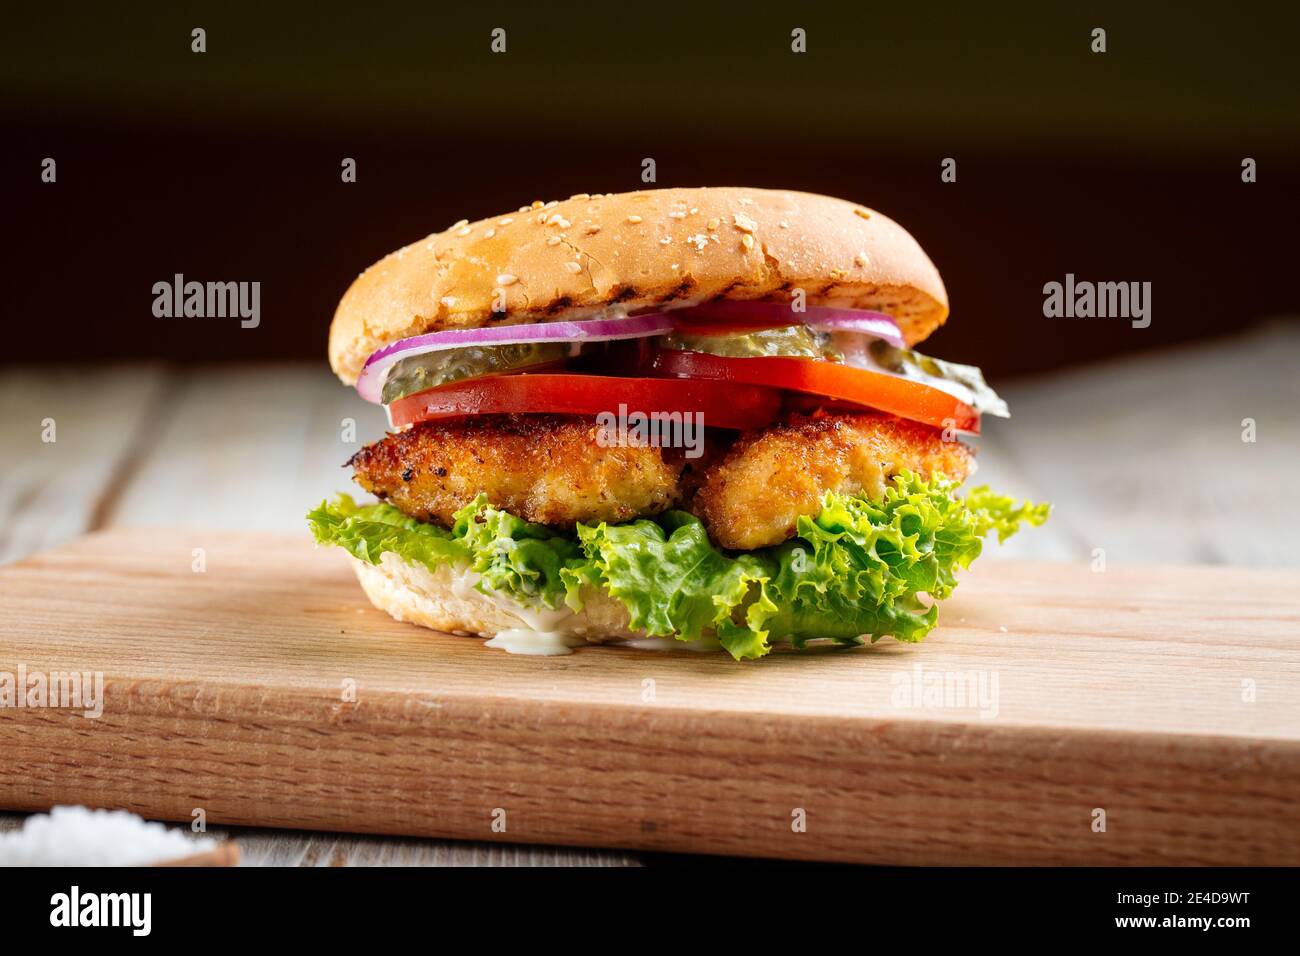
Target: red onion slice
876	324
371	381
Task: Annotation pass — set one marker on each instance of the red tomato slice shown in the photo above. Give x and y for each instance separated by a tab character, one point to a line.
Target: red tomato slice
888	393
723	404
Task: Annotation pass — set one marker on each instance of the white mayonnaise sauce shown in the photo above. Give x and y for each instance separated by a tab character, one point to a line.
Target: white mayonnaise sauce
521	640
540	631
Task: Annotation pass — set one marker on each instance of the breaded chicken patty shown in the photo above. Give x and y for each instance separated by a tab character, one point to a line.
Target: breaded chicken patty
544	468
755	495
551	469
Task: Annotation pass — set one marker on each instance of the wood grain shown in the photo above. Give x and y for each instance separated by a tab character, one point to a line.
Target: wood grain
247	448
65	457
224	854
1164	696
1145	458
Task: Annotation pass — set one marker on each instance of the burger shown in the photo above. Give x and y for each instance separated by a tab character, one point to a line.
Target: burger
675	417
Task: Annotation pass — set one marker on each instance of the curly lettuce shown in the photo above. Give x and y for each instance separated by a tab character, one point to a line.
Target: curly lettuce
674	581
512	557
858	571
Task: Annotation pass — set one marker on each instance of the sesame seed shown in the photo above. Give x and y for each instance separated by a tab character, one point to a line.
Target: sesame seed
464	231
558	220
462	222
448	300
573	267
694	210
744	223
506	221
633	218
592	230
581	196
664	241
537	204
861	259
747	241
712	224
784	224
523	209
553	241
863	213
677	214
552	204
507	279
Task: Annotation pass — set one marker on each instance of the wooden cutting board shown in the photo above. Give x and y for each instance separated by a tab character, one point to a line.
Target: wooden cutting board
1163	703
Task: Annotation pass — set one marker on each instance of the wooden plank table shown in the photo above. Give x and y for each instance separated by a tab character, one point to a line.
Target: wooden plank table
1143	458
266	691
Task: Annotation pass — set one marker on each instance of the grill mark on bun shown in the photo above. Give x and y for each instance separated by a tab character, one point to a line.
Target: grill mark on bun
726	290
680	291
558	305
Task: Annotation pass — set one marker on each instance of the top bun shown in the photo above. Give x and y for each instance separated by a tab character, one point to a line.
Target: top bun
647	250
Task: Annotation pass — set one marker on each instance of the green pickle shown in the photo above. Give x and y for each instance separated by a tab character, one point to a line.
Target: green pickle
922	368
431	369
791	341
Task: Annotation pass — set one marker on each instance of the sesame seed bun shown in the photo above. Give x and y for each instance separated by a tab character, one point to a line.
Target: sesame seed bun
646	250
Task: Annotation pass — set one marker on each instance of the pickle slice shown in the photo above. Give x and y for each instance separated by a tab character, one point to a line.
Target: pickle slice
791	341
431	369
936	372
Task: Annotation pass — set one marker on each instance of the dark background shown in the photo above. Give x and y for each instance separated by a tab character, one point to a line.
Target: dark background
225	165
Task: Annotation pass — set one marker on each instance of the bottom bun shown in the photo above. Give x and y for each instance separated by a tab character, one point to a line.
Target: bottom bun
446	600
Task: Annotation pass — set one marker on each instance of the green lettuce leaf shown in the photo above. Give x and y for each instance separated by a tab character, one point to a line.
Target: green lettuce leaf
513	557
367	531
672	580
858	571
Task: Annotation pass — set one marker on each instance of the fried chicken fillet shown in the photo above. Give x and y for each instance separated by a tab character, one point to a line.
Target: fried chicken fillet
544	468
755	495
551	469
